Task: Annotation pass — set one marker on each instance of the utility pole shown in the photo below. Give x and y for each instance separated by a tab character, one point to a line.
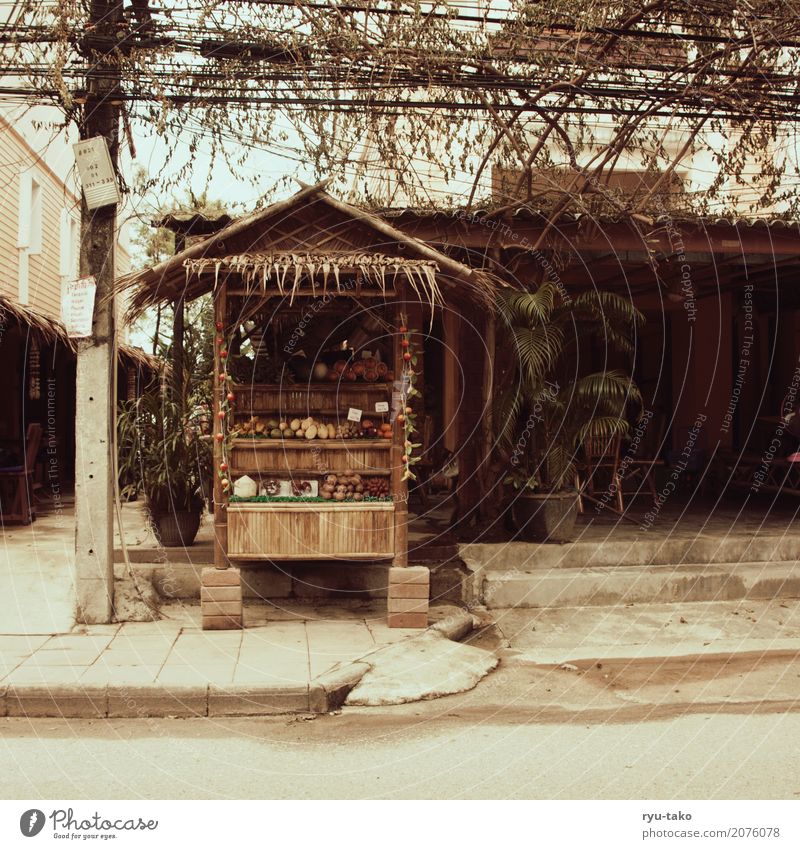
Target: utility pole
95	408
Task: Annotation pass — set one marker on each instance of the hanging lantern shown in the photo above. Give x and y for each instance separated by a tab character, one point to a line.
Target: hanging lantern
34	371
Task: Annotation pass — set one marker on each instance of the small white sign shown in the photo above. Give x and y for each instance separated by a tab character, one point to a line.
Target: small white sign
381	406
96	171
354	414
77	306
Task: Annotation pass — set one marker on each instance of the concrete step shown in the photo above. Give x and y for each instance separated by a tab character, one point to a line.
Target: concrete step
655	551
612	585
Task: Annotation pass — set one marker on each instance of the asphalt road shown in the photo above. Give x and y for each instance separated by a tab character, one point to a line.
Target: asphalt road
437	750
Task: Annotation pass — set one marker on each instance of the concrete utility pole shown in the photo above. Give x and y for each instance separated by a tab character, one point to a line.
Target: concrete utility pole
95	409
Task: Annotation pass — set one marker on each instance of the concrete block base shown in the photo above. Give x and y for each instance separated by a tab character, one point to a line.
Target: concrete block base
221	599
409	591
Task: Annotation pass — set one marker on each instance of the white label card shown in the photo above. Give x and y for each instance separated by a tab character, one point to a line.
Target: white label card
354	414
382	407
77	306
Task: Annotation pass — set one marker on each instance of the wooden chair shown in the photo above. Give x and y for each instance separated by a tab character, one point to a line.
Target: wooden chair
18	480
640	471
600	455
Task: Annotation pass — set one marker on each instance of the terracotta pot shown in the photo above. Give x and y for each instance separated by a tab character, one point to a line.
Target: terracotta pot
177	529
545	517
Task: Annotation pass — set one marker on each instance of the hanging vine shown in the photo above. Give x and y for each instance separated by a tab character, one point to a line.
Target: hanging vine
406	416
224	433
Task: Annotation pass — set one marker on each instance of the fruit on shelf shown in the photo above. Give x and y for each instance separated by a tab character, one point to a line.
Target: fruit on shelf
385	430
343	486
376	486
348	430
253	427
320	371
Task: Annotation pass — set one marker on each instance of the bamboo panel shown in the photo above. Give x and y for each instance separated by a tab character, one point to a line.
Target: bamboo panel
275	456
261	533
310	531
357	532
305	399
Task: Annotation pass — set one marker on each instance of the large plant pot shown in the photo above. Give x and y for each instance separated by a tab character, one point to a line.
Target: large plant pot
545	517
176	529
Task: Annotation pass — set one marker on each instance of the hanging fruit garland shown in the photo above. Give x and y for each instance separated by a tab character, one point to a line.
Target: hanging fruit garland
406	416
227	398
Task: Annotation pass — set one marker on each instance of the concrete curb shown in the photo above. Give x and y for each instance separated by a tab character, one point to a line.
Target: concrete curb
325	693
768	649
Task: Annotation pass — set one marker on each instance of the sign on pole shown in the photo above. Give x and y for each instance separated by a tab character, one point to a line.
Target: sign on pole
96	172
77	307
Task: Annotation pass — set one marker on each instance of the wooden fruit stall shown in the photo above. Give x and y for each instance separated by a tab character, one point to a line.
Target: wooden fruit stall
343	520
315	396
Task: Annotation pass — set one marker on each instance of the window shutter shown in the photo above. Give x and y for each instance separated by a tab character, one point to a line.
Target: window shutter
24	209
66	249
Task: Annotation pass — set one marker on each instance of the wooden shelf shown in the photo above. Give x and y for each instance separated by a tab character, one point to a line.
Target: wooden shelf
310	506
304	473
325	386
325	444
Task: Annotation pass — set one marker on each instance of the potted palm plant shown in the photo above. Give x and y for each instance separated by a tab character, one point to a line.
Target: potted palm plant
550	409
165	455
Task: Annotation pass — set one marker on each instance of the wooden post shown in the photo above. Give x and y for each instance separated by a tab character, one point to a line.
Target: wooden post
469	419
177	336
399	486
409	588
221	587
218	393
488	409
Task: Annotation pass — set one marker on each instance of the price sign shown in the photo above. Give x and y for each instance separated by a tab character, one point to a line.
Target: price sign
77	306
382	407
354	414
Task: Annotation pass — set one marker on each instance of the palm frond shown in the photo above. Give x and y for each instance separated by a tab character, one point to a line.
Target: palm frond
538	349
603	428
528	308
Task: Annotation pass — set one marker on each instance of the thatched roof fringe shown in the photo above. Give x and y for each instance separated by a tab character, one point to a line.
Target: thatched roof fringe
258	269
50	331
140	359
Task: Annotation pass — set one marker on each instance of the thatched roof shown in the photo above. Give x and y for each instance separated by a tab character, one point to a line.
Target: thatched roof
309	230
138	358
49	331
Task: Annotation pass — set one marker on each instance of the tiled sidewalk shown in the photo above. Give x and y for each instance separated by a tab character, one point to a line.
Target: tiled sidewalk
172	667
294	648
